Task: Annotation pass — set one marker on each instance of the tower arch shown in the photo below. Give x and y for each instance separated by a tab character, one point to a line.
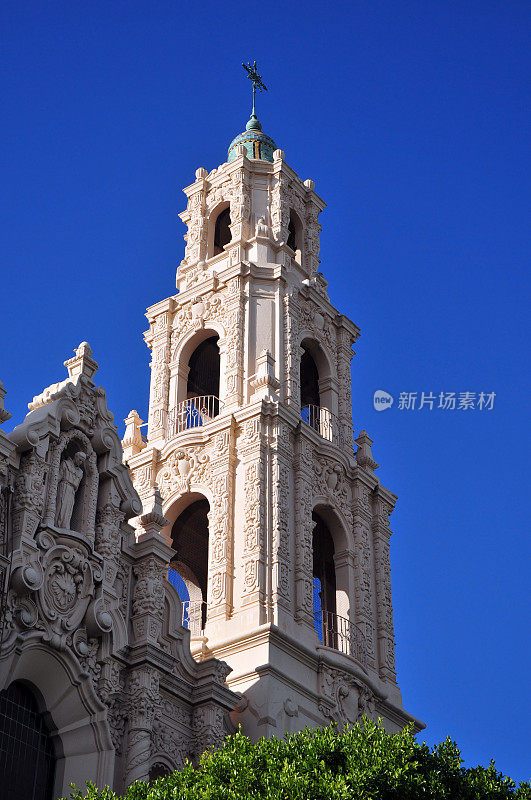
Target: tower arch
190	540
318	391
219	232
331	575
196	380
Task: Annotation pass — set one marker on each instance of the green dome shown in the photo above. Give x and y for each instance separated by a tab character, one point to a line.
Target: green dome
257	143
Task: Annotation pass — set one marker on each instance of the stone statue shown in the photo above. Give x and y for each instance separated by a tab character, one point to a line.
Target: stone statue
261	228
70	476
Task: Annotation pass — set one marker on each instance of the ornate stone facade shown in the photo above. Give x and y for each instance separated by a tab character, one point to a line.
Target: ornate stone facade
90	621
247	484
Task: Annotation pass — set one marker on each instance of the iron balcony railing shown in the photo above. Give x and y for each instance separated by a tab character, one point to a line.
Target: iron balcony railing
193	413
341	634
194	613
324	422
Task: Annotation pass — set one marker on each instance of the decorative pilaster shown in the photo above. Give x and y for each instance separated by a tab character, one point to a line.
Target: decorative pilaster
234	344
304	534
383	507
281	560
221	522
253	455
150	569
159	339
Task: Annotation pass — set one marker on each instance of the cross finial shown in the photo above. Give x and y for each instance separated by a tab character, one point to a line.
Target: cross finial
252	74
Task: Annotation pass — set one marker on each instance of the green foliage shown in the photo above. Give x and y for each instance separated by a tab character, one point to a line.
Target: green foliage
362	762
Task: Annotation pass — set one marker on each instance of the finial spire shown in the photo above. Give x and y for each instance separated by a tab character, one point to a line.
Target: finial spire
252	74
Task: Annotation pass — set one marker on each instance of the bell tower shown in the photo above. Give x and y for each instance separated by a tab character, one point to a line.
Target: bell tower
279	525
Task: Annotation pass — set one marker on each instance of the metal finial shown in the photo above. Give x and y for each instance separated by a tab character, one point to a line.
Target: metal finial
252	74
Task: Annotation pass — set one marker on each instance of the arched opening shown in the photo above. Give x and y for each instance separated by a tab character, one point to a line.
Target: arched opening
27	757
158	770
324	582
189	536
203	377
222	232
310	394
317	394
195	386
295	233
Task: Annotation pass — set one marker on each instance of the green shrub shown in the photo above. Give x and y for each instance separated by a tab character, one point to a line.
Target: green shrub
362	762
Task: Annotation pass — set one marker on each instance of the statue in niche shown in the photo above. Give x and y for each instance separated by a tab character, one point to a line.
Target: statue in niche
70	476
261	228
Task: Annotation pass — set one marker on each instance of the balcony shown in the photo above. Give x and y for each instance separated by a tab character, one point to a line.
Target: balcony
340	634
324	423
192	413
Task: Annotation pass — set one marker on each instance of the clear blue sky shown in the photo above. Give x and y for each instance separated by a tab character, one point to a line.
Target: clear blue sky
411	118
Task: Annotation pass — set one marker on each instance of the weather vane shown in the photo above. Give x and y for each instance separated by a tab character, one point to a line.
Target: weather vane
252	74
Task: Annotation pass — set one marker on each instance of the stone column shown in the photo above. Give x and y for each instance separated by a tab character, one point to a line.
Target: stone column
143	701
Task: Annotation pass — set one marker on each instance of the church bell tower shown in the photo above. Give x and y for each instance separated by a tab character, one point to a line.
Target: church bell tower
279	526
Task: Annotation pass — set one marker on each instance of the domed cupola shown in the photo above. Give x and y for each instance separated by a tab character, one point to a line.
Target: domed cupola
257	143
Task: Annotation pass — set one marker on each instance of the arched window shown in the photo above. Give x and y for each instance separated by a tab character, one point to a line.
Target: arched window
318	393
27	758
294	232
324	581
203	377
190	540
194	385
309	380
222	232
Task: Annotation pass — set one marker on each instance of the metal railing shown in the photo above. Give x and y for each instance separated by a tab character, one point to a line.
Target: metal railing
324	422
194	614
193	413
341	634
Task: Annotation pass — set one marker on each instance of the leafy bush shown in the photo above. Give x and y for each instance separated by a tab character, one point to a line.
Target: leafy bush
362	762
